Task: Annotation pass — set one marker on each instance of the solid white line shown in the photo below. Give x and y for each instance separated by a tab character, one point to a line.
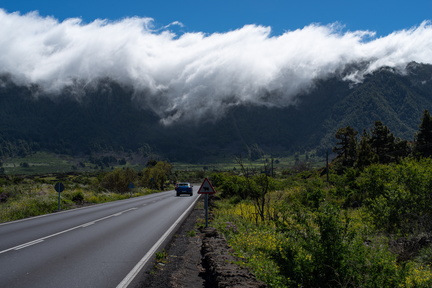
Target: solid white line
134	272
62	232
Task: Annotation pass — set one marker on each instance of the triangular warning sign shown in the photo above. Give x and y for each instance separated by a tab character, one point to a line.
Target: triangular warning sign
206	188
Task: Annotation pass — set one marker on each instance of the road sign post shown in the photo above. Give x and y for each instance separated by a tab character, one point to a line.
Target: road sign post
131	186
59	187
206	209
206	189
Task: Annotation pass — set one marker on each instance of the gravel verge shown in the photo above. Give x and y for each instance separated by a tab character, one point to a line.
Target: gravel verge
198	257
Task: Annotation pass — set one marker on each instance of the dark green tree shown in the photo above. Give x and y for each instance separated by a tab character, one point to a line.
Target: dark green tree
346	147
383	143
403	149
365	155
423	138
156	176
118	180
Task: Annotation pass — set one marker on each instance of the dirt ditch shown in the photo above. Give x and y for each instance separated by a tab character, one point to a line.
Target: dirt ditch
198	258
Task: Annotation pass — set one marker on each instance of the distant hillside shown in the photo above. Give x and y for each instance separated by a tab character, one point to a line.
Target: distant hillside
107	118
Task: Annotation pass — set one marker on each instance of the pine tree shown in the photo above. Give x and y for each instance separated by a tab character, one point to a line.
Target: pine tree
403	148
383	143
346	146
423	139
365	155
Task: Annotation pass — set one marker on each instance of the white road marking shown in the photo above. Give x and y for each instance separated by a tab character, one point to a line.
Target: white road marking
64	211
64	231
28	244
134	272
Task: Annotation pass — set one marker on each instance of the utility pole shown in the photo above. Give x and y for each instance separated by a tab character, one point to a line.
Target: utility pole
327	167
272	169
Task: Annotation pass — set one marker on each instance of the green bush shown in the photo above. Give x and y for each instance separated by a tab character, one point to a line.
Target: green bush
398	196
309	240
78	197
29	207
155	177
118	180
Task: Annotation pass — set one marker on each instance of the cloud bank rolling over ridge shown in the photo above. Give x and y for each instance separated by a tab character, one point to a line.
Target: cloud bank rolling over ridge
193	75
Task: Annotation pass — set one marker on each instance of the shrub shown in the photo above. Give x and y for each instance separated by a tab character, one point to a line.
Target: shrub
398	196
308	247
118	180
155	176
29	207
78	197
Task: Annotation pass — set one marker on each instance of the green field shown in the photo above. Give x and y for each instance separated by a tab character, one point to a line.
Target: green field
45	163
38	163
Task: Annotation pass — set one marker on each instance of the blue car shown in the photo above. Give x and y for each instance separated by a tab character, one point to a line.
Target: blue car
184	188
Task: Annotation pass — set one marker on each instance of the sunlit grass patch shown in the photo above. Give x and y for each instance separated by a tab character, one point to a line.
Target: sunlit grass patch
255	246
418	276
252	244
34	199
28	207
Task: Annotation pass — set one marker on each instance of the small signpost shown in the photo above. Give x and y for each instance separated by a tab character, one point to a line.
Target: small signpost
131	186
206	189
59	187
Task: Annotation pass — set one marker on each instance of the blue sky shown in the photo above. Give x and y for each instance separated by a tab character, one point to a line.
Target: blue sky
209	16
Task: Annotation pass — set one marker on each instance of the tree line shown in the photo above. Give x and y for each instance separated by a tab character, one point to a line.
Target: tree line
379	145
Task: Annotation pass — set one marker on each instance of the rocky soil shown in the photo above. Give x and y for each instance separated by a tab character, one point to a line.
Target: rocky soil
198	257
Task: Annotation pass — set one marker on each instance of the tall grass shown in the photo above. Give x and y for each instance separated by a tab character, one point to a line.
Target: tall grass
29	200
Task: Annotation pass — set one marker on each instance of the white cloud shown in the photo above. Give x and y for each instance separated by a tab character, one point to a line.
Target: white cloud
193	75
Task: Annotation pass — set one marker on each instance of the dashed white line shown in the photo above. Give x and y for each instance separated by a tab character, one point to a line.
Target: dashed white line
28	244
24	245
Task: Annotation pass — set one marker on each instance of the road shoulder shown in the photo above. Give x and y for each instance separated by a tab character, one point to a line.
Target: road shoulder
182	265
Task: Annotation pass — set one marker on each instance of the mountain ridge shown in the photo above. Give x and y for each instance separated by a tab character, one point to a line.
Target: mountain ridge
105	116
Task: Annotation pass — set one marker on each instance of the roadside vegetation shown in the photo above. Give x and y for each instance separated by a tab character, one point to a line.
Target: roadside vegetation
23	196
27	183
365	221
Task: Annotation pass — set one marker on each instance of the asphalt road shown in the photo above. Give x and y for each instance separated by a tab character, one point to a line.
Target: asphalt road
104	245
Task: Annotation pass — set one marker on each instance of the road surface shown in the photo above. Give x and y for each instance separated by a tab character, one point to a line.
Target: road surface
104	245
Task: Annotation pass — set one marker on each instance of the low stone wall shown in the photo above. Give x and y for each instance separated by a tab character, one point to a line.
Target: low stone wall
221	270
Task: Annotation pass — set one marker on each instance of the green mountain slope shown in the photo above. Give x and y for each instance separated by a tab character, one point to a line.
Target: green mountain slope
106	117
